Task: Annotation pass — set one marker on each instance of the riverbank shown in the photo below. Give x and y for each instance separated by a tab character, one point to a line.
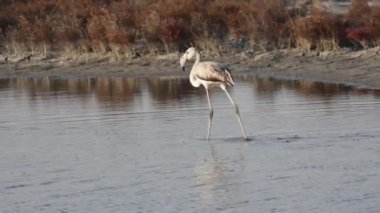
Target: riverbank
359	68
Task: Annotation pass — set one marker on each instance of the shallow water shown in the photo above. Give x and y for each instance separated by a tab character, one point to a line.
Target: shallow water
138	145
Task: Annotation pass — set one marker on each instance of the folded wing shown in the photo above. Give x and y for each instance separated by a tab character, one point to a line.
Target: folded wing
214	72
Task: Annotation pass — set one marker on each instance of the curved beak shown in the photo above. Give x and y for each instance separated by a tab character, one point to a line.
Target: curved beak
182	62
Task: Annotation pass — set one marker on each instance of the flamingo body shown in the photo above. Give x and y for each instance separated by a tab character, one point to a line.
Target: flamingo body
210	74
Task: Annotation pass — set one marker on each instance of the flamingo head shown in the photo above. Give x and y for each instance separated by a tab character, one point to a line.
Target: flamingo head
188	55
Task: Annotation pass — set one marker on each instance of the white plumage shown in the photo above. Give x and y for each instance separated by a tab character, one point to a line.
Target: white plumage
210	74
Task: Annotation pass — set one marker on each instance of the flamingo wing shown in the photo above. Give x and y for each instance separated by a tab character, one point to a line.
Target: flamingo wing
215	72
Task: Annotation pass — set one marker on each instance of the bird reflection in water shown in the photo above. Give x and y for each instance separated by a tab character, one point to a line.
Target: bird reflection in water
220	175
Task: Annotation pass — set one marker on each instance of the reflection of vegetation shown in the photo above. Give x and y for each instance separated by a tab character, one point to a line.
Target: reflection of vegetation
169	89
4	83
319	88
112	91
264	85
305	87
115	91
120	91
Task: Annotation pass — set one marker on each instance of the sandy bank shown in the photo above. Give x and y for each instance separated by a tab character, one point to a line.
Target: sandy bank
361	68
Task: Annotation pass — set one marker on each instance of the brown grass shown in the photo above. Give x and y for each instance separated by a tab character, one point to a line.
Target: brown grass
121	27
317	31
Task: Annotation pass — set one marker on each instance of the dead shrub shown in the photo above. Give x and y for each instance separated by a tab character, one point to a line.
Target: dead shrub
363	24
165	24
118	26
358	11
263	24
318	31
105	32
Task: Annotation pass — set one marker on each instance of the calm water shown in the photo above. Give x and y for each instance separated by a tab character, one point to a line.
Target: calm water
138	145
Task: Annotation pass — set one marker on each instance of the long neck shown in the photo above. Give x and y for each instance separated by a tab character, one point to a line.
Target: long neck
197	60
193	80
197	57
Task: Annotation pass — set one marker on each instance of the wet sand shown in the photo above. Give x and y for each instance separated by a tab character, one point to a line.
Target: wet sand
359	68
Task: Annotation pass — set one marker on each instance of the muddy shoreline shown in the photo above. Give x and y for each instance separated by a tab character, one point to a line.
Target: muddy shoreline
359	68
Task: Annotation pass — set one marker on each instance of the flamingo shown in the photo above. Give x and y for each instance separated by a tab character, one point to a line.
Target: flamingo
210	74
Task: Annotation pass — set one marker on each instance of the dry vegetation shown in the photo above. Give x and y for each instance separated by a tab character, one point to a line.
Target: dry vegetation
124	27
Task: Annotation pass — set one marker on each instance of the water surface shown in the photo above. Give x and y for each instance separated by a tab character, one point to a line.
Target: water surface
138	145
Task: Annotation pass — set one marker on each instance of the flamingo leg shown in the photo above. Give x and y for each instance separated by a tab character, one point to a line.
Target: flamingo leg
210	115
236	112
